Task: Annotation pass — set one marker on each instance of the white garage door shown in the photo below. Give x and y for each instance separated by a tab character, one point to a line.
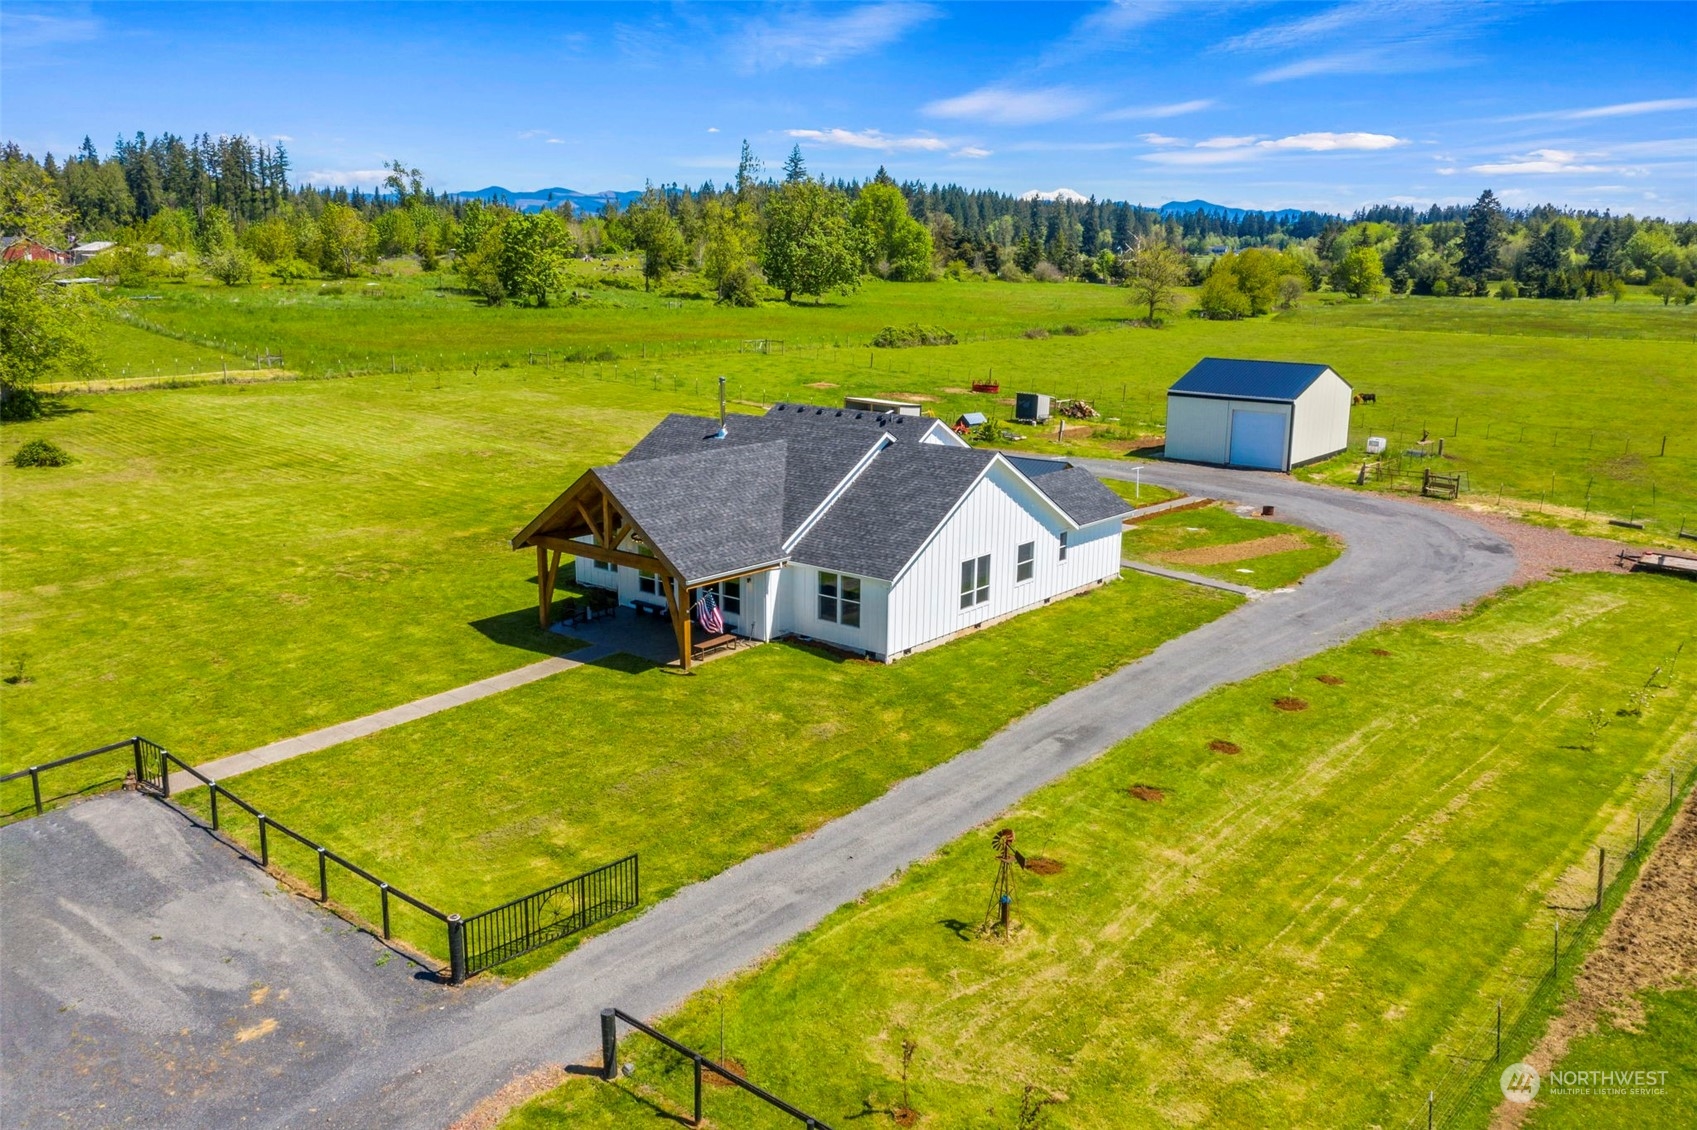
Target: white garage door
1258	440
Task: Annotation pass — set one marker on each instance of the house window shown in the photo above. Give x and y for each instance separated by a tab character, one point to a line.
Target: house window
1063	545
648	583
974	581
1027	565
730	597
839	599
604	566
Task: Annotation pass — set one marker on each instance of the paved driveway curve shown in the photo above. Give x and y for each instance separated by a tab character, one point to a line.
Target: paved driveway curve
1402	560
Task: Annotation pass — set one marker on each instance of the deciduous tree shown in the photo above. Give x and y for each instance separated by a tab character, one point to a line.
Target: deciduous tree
889	235
531	261
810	246
654	233
1155	272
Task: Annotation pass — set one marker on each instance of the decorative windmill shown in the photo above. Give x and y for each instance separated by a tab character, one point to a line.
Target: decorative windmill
1001	895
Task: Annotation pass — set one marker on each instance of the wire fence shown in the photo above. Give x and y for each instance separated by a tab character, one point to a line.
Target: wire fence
1580	905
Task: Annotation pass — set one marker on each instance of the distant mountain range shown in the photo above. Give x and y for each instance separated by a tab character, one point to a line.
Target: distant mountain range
535	200
1191	207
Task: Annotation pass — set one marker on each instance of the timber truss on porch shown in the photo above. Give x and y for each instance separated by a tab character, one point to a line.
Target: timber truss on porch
589	509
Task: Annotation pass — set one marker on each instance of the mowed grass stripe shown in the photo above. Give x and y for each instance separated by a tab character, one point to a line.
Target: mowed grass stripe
1295	935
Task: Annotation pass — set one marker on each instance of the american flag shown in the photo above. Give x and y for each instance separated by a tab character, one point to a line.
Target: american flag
707	613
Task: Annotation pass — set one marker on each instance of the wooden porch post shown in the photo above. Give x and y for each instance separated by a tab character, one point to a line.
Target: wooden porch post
677	603
543	596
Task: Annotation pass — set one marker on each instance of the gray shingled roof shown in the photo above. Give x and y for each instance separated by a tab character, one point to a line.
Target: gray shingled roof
1082	496
816	464
881	521
708	511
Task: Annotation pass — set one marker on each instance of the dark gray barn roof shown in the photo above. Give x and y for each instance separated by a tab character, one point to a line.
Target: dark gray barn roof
1248	380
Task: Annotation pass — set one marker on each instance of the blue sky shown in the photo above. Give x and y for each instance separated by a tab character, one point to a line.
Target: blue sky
1272	105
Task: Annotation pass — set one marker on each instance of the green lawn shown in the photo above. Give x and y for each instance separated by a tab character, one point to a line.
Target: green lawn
1292	936
1549	403
1142	494
1177	539
1666	1041
491	800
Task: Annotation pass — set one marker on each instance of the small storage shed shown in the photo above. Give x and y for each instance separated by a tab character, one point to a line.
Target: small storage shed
968	421
1268	415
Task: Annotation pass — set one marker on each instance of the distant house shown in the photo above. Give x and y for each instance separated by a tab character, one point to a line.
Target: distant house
83	252
1267	415
880	534
21	248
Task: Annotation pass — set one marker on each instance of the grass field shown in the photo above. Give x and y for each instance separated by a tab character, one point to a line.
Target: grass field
1664	1041
1217	542
509	794
1553	404
1289	935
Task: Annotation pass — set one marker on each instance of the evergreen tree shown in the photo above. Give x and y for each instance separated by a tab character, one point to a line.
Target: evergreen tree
1483	236
795	169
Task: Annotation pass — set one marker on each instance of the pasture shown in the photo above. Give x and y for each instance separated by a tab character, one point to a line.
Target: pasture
1251	916
1552	407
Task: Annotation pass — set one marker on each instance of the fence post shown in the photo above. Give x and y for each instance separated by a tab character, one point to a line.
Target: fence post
383	888
264	844
697	1121
135	744
1499	1053
1555	951
456	950
323	878
164	775
1599	878
609	1045
35	787
212	791
1431	1098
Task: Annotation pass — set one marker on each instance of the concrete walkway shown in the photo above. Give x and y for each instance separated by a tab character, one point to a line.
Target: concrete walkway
1196	579
226	767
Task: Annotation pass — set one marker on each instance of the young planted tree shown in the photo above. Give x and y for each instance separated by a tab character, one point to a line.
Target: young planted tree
1155	272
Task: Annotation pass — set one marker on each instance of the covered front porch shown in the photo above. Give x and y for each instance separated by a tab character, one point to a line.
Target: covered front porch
589	522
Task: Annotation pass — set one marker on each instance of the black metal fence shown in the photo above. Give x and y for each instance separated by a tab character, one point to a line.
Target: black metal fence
548	915
146	767
610	1018
475	944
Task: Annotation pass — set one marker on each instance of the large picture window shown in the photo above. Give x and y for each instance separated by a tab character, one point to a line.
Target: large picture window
974	581
1026	566
839	599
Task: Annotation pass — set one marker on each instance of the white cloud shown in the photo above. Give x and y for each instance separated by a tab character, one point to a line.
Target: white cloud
712	129
555	141
23	30
1011	107
281	137
972	151
1539	161
1171	110
869	139
1160	139
1327	142
527	134
1226	142
1063	194
346	177
1183	157
804	38
1107	27
1618	110
1382	37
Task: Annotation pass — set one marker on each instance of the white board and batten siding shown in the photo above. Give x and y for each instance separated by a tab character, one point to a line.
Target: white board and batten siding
1321	426
1199	429
799	611
997	516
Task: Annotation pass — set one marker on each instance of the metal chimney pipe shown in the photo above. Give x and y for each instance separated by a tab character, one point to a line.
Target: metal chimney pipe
721	408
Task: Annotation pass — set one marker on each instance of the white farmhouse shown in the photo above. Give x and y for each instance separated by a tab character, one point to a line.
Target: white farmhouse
1269	415
878	534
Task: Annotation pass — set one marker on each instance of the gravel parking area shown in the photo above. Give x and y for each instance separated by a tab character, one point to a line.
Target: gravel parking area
1543	552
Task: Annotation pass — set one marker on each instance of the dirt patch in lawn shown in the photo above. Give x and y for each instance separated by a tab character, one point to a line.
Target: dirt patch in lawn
1220	745
1148	793
1380	652
731	1065
1331	680
1650	945
1290	703
916	397
822	384
1042	865
1236	551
